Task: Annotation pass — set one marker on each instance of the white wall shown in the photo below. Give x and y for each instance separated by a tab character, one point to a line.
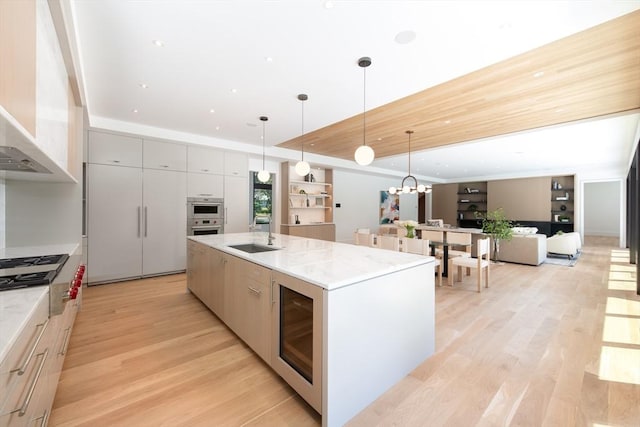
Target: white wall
40	213
602	208
359	197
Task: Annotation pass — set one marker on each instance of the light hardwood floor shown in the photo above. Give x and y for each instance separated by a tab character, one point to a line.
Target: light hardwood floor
543	346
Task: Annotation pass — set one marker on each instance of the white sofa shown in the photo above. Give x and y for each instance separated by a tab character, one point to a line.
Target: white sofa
528	249
568	244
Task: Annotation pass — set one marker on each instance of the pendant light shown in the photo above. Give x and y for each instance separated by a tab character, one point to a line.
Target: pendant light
263	175
405	188
302	167
364	154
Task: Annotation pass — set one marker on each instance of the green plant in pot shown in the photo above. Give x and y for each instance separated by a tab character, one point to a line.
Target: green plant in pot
496	225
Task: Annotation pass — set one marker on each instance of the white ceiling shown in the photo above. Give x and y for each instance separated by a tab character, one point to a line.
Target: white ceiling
244	59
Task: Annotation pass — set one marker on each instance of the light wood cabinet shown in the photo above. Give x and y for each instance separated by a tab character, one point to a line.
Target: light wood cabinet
310	201
248	304
198	271
319	231
217	281
24	371
236	290
18	53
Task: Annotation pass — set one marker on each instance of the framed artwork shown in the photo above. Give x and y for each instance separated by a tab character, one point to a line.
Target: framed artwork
389	207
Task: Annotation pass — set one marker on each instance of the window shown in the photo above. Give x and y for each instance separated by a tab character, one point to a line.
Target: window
262	195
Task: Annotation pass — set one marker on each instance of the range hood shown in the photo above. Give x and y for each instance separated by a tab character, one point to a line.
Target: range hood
14	160
22	159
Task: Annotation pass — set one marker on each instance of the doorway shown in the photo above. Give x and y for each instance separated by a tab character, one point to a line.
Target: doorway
602	209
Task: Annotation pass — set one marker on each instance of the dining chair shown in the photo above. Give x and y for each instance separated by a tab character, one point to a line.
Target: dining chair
421	247
363	239
481	263
390	242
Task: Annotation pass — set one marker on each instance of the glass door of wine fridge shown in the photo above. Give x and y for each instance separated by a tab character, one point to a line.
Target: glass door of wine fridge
297	350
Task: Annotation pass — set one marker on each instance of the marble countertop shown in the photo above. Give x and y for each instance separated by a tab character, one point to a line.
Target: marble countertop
329	265
16	306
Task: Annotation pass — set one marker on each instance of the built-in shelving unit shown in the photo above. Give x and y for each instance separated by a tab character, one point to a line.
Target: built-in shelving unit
562	203
307	203
472	198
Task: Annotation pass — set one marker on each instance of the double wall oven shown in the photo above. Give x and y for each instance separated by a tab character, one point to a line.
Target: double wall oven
204	216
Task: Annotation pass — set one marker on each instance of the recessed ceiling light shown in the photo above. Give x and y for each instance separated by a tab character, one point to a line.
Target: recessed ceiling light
559	110
268	59
217	127
446	122
379	139
135	110
144	85
405	37
234	90
328	4
539	74
212	111
158	43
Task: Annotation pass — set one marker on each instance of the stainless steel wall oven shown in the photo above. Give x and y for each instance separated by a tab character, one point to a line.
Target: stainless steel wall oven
205	216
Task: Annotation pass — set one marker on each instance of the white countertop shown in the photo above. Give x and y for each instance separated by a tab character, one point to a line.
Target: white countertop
330	265
17	305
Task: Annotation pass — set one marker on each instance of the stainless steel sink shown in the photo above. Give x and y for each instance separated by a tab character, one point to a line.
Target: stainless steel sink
253	248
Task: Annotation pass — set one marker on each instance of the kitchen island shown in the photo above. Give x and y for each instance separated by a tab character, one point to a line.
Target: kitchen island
373	311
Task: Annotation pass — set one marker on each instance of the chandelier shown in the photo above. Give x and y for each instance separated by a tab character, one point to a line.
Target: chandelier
409	183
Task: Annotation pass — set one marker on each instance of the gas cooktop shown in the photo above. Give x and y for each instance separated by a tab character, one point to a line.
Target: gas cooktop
22	272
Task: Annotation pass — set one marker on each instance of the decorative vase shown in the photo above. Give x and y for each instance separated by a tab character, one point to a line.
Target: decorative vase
410	233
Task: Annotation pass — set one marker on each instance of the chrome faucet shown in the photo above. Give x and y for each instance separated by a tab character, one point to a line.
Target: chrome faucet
271	238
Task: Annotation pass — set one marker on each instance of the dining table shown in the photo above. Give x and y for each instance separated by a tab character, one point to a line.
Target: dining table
444	242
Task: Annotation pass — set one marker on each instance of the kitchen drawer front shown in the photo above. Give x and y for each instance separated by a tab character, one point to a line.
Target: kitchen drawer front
118	150
33	336
25	394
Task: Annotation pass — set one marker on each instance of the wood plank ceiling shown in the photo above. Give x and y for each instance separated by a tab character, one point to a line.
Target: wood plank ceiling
592	73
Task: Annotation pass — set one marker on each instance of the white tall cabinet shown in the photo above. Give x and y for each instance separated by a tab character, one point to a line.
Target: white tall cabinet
136	207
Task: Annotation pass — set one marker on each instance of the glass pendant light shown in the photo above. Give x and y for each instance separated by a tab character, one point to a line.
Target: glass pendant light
405	188
302	167
364	154
263	175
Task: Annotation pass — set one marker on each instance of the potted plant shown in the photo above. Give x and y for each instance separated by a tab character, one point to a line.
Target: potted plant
410	225
496	225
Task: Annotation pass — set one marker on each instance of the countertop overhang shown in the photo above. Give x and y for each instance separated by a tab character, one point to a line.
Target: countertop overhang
330	265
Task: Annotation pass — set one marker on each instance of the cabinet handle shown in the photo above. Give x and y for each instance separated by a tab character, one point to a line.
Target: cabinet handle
23	368
23	408
145	221
164	166
225	216
205	194
65	342
273	282
204	170
139	221
115	161
44	417
254	290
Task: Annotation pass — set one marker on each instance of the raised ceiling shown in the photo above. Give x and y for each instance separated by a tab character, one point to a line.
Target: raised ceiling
590	74
473	64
